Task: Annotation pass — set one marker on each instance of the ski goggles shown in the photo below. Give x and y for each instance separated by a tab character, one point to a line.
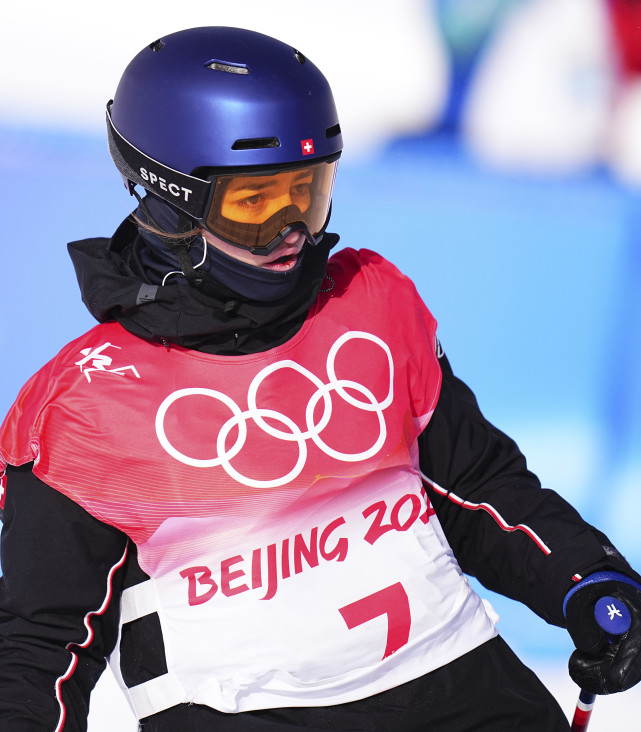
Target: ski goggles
257	209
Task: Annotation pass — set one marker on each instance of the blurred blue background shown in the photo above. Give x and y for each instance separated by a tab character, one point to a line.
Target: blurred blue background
530	258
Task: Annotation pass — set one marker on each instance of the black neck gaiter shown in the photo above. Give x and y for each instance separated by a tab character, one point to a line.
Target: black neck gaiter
159	259
212	317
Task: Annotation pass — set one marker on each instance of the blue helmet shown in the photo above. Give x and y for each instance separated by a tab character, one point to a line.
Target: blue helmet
197	103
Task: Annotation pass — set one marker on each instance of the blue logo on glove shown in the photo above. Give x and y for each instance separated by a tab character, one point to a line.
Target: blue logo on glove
612	615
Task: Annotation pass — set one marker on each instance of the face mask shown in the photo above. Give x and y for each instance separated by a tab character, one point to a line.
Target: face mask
249	281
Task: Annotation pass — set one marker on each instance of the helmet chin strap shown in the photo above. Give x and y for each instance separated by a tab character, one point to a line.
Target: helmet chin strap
179	247
188	268
181	252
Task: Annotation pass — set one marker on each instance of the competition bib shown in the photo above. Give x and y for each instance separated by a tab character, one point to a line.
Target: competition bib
274	498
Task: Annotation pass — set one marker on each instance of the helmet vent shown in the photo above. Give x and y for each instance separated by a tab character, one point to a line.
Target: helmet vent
299	57
227	67
258	143
156	46
333	131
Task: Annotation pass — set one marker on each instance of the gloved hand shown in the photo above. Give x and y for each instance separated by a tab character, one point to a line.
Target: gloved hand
604	664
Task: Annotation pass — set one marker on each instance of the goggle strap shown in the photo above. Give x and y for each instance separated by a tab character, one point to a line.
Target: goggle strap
185	192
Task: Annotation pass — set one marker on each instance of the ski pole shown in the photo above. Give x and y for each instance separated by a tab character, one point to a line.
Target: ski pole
614	618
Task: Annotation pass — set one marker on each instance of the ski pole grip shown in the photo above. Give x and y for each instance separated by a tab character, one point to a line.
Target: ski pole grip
612	616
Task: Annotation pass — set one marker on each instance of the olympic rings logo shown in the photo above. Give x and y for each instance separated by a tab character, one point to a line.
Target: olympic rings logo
290	432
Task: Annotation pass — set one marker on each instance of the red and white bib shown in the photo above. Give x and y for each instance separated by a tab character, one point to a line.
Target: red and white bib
275	498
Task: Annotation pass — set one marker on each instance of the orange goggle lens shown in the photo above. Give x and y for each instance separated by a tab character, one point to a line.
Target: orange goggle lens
250	210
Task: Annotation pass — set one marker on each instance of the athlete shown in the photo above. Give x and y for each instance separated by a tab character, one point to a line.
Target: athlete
256	486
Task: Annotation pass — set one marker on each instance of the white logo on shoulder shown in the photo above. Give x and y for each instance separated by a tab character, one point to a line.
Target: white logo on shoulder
96	360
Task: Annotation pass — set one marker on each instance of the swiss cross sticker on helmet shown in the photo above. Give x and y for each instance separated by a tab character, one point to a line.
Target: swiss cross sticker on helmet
307	147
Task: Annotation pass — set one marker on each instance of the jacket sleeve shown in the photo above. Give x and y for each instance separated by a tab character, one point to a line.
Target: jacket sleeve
58	606
515	537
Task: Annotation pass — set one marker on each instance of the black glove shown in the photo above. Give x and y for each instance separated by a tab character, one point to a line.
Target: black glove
602	663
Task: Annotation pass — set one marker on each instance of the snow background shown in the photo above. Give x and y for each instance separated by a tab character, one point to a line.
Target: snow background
528	253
